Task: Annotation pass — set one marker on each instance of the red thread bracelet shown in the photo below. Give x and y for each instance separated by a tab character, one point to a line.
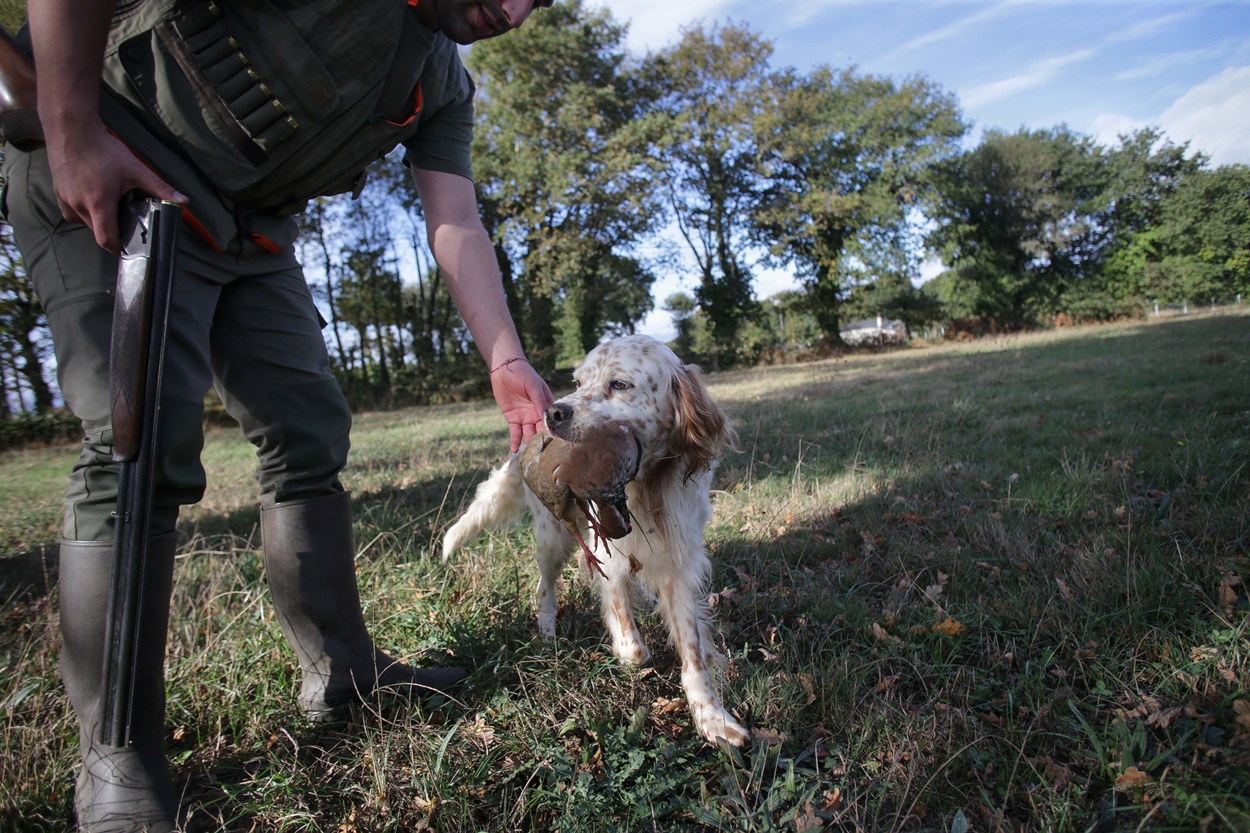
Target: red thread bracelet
509	361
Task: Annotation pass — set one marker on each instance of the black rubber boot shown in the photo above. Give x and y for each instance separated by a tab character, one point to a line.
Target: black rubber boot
120	789
311	564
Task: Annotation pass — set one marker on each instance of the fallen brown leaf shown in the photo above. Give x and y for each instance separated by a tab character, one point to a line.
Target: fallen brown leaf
887	683
831	801
1242	709
1228	596
809	688
768	736
806	818
950	627
663	705
884	635
1133	779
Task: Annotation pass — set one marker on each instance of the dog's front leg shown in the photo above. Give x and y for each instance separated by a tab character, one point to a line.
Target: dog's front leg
684	615
618	611
555	544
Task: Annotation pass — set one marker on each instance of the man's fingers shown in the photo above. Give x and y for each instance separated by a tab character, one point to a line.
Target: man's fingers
106	235
162	190
523	396
540	395
68	212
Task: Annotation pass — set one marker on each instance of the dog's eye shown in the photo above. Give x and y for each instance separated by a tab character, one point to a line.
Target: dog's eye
620	384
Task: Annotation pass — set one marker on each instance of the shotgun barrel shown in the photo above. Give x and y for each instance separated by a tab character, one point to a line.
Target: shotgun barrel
136	364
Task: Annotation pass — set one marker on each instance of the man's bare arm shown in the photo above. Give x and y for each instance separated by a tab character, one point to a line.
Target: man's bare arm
91	168
467	258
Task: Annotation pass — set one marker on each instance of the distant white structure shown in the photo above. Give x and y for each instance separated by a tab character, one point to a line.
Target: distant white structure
875	331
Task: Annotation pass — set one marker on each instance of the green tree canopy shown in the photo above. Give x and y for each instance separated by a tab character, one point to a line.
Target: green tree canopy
847	157
1003	211
710	90
1039	222
564	176
1198	245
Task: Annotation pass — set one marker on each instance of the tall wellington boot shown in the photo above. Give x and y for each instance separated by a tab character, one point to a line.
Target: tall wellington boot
310	562
120	789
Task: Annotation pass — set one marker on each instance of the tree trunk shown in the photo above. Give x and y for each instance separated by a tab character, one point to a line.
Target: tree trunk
32	369
826	308
5	410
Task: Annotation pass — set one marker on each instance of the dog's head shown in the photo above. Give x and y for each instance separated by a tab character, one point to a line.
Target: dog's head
638	382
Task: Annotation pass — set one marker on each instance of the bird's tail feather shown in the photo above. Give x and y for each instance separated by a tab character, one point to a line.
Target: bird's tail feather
499	500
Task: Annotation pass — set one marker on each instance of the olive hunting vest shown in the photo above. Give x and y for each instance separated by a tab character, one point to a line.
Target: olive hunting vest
253	107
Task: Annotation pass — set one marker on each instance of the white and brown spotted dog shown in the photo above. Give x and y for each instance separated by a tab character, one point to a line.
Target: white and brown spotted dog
638	382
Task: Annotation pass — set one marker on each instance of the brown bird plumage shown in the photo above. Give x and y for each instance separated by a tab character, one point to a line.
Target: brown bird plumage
590	475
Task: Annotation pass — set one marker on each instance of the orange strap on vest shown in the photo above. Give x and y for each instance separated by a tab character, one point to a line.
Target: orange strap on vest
190	219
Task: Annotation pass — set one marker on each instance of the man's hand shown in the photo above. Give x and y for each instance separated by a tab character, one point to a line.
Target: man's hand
91	171
91	168
523	396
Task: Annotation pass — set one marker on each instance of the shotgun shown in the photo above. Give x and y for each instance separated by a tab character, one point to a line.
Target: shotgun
145	269
149	229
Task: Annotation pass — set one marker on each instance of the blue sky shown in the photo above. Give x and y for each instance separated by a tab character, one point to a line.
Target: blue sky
1100	67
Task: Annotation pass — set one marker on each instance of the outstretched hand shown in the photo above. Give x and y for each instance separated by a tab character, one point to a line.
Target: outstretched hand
523	396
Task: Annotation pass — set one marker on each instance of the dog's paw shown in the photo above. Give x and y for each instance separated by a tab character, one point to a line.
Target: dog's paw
631	651
715	724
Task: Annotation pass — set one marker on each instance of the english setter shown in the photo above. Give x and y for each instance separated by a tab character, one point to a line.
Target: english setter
635	381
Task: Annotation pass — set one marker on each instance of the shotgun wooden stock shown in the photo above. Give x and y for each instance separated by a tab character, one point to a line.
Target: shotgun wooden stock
19	122
133	308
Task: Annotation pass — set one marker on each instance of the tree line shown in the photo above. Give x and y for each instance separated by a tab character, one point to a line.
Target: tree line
597	169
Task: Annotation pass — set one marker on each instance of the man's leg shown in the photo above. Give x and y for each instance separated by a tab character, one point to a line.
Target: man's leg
274	376
119	788
129	788
74	279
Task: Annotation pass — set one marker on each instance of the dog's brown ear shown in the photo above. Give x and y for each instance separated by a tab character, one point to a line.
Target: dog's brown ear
701	429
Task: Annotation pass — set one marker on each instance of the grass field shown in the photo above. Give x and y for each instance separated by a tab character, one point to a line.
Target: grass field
999	585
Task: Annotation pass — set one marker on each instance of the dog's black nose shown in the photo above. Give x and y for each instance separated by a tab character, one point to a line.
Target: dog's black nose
558	414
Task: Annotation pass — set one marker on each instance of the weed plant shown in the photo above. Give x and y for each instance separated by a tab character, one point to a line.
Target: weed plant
999	585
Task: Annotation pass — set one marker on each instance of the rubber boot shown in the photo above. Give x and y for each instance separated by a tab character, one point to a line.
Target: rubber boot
311	564
120	789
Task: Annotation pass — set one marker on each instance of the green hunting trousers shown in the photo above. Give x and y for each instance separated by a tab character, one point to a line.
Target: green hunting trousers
243	321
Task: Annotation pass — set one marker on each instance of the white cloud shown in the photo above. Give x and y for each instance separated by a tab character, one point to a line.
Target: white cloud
768	282
954	30
1147	28
1037	75
1160	64
659	325
654	24
1108	128
1215	117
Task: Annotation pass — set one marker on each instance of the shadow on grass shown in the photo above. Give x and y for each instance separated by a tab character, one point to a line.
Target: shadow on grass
30	575
318	771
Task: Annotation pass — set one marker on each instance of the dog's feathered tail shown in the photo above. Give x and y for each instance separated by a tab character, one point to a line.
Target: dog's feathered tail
499	500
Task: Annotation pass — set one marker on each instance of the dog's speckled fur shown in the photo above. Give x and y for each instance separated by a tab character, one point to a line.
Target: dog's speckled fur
636	381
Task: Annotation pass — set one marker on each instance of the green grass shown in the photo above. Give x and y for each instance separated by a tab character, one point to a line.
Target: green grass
999	585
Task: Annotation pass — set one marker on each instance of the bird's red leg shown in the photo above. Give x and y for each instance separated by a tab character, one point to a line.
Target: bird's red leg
592	563
592	520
